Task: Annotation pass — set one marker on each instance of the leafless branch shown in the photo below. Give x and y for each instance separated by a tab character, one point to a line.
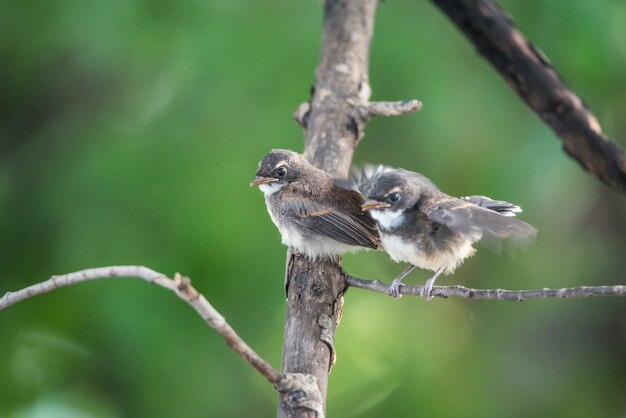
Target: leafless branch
334	118
179	284
300	395
334	125
366	109
392	108
527	71
493	294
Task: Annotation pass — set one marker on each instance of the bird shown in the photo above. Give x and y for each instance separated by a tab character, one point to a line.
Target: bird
427	228
314	215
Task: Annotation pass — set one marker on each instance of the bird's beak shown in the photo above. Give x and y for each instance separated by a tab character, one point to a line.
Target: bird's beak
373	204
261	180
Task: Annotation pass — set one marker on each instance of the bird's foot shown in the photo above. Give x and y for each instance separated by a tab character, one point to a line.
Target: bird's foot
427	289
394	288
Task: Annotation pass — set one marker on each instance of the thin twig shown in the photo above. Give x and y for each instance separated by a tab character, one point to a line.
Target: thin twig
365	108
393	108
493	294
179	284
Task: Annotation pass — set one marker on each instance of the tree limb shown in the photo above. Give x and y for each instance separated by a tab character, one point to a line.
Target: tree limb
493	294
298	392
368	109
333	127
180	285
334	119
534	79
393	108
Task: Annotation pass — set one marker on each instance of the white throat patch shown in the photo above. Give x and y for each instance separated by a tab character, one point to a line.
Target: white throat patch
387	218
269	189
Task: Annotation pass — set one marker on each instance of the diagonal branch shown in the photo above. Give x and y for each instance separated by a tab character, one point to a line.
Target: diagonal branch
179	284
534	79
493	294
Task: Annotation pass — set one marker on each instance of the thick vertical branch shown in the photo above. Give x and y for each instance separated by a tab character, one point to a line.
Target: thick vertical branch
336	122
334	126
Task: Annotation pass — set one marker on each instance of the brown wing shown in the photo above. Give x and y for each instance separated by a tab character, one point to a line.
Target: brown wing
339	218
476	222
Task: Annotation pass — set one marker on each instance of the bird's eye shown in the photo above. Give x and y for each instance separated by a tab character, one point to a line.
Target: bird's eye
281	171
393	197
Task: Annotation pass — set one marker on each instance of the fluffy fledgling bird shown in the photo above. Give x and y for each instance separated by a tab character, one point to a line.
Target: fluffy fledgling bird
421	225
315	217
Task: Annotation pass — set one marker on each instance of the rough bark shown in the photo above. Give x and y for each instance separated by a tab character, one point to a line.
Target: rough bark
530	74
336	120
334	125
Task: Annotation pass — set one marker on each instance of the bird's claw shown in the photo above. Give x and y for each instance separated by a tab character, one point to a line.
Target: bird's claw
394	288
427	290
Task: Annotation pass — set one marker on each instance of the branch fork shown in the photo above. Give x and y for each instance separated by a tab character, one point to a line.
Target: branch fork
366	109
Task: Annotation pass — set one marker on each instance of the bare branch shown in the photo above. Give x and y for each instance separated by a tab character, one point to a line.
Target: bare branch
300	394
392	108
334	118
367	109
333	128
530	74
179	284
493	294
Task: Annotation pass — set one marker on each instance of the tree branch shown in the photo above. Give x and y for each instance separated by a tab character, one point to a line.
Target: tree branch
179	284
392	108
530	74
334	119
493	294
367	109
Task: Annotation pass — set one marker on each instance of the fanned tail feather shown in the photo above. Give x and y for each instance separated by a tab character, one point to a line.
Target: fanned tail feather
499	206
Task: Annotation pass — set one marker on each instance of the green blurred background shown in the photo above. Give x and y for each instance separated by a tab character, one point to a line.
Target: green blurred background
129	131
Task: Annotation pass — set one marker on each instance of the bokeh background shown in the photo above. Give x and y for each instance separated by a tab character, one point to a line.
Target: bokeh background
129	131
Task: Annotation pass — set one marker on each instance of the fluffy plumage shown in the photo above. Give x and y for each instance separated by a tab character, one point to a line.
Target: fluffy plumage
421	225
314	216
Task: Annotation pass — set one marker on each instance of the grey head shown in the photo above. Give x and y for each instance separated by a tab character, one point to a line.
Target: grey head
282	167
392	189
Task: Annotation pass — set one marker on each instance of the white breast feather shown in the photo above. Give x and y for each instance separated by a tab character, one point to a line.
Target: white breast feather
387	218
313	247
269	189
408	252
